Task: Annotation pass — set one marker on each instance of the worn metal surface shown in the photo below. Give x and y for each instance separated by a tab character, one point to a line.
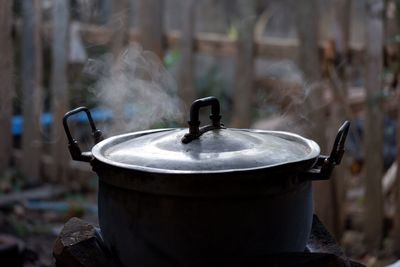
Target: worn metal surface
259	182
221	150
157	230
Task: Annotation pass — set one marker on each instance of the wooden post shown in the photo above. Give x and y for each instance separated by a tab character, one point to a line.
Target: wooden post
342	44
119	44
120	27
307	21
343	26
307	28
340	110
186	89
393	29
7	83
243	90
59	86
151	25
373	133
105	8
31	76
396	231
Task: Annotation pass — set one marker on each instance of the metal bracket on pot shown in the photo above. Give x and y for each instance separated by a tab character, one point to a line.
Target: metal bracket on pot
194	131
324	166
73	145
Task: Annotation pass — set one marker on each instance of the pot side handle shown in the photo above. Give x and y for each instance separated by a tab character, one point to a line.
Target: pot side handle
324	166
73	145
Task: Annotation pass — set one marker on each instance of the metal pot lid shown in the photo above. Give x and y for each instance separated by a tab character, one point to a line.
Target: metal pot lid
218	150
209	149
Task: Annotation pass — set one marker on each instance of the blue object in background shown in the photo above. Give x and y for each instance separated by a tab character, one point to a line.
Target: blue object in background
98	114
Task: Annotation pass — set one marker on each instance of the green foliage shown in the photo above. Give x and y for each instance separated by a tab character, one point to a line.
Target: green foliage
211	83
233	32
12	180
172	58
20	227
395	39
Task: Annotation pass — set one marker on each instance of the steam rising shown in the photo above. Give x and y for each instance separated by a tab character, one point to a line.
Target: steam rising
137	88
292	94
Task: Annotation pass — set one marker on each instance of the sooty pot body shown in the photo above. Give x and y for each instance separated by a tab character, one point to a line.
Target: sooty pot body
161	229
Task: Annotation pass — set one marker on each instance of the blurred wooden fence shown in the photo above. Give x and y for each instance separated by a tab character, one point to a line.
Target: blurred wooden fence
30	30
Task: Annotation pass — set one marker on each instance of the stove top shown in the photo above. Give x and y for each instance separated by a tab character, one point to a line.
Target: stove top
80	242
321	251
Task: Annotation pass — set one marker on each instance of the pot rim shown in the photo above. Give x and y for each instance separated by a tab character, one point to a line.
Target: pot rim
97	152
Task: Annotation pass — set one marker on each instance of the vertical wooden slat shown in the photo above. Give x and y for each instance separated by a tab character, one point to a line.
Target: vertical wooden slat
340	110
244	64
105	8
343	25
393	29
119	43
120	27
307	23
31	76
396	230
59	87
7	83
373	136
187	91
342	43
307	27
151	25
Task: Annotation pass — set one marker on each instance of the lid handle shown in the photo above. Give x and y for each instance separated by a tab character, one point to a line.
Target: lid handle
194	131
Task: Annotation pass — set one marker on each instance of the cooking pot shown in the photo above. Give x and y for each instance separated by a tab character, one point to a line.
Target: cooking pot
179	197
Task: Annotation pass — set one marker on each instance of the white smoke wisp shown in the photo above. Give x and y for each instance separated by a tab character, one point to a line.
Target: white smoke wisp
307	100
291	96
137	88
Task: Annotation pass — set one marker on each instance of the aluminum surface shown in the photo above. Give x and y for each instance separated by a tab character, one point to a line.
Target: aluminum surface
219	150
